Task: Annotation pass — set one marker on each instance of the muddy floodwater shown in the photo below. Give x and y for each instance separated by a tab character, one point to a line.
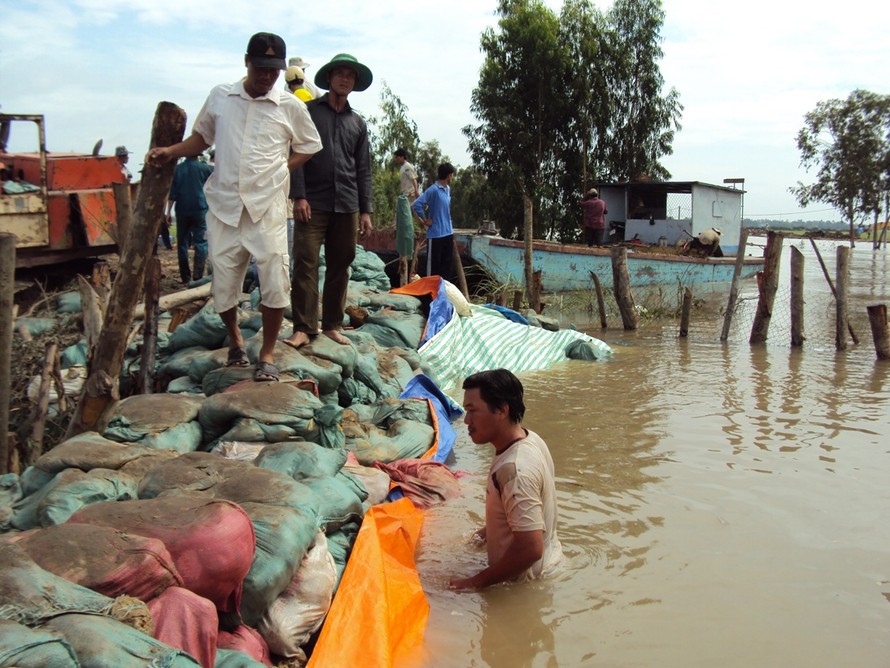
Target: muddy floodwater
720	504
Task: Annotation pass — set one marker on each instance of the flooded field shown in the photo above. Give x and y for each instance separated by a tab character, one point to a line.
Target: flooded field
719	504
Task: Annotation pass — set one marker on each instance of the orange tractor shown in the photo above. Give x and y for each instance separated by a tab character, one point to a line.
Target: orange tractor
59	206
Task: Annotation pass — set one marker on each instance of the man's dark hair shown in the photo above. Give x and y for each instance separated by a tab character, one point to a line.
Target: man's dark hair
401	153
498	388
444	170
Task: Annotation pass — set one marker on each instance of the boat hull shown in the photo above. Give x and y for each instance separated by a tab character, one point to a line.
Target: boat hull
568	267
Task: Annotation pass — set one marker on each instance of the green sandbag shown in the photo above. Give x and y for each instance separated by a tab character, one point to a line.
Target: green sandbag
220	478
30	595
10	493
404	227
383	371
159	421
205	328
405	439
75	355
33	648
184	385
85	451
407	327
369	269
68	302
35	326
262	411
394	301
179	363
340	542
336	501
323	347
581	350
68	492
301	460
102	642
283	536
230	658
220	379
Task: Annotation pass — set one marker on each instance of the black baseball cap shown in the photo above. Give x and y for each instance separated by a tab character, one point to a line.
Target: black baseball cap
267	50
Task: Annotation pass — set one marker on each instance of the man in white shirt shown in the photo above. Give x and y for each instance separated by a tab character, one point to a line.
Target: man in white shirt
407	176
520	499
260	133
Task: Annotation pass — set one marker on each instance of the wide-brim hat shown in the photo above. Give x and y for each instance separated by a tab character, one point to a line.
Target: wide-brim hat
363	80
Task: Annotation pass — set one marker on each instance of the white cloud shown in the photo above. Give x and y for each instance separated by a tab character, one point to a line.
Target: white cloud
747	73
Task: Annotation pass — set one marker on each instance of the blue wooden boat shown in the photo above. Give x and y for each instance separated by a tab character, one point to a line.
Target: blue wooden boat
567	267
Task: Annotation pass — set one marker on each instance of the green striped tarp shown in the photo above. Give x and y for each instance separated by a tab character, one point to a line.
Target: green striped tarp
487	340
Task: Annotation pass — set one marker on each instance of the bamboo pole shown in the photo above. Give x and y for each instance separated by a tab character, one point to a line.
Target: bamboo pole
38	419
880	332
734	286
459	270
621	282
517	300
825	273
797	300
101	386
687	308
843	279
767	285
150	328
600	300
7	306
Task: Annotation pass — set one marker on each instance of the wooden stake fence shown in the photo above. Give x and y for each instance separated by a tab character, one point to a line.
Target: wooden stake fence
797	301
767	285
621	282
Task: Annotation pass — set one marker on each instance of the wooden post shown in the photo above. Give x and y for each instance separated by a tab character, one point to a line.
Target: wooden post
877	318
403	270
825	273
459	270
600	300
621	283
7	306
517	300
767	284
150	327
687	307
101	386
537	305
843	280
38	417
797	301
123	214
92	312
528	239
734	286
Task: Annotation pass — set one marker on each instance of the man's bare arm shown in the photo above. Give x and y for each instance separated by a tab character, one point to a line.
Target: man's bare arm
527	547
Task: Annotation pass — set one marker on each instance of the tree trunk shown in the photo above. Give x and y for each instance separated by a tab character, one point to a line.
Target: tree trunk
101	386
528	235
767	285
621	284
7	298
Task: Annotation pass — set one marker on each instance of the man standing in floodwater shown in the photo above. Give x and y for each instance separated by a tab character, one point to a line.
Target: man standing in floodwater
260	134
520	500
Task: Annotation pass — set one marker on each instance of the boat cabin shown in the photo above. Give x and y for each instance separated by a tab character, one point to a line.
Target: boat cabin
672	212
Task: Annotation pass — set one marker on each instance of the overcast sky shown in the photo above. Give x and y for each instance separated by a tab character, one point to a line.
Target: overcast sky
747	72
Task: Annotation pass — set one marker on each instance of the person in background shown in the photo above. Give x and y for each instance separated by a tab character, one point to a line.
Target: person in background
332	202
593	210
123	157
407	176
293	79
297	61
259	135
433	207
520	498
187	195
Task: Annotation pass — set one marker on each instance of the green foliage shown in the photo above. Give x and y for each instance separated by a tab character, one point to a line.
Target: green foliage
565	102
848	142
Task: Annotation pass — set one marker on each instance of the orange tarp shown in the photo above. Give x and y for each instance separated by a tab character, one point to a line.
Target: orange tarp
380	611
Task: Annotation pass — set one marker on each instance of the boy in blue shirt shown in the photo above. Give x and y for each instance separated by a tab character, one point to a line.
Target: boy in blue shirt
433	207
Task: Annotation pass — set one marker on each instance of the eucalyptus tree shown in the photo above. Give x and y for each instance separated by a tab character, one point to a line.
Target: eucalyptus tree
642	116
848	142
519	103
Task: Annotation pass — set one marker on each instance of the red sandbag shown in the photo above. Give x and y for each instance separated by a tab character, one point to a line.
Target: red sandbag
426	483
103	559
248	641
211	541
188	622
